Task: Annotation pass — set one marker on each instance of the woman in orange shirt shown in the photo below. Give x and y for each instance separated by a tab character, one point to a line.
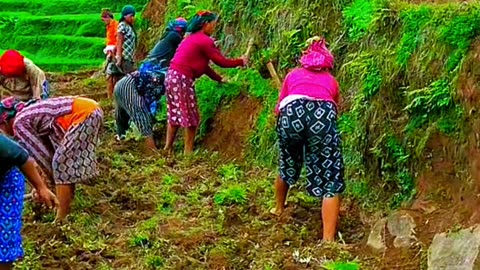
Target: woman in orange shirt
110	49
61	134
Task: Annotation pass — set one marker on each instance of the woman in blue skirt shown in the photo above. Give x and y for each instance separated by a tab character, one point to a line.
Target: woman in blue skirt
14	164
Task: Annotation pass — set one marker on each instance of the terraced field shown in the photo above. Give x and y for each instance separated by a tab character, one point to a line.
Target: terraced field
58	35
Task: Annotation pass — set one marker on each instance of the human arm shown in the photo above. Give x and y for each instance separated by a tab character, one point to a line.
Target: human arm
336	92
12	154
213	75
214	54
120	39
44	194
28	138
37	78
283	94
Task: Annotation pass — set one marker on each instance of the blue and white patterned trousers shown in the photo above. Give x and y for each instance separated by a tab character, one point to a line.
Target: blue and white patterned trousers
307	130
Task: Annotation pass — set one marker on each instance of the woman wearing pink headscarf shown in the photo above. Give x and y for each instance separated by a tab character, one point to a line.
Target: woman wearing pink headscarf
307	130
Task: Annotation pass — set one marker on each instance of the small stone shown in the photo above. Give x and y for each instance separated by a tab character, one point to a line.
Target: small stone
376	238
402	227
457	250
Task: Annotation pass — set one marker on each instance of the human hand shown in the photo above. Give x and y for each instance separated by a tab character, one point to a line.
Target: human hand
224	81
245	60
118	60
47	197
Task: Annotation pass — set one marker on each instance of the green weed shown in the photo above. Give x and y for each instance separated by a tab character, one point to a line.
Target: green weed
31	260
155	262
414	21
140	240
234	194
169	180
428	102
359	17
459	34
342	266
167	201
230	172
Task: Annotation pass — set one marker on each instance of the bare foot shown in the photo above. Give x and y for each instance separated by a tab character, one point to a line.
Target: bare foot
276	212
60	221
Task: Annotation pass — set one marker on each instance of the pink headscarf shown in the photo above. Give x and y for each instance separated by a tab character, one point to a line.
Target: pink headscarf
317	56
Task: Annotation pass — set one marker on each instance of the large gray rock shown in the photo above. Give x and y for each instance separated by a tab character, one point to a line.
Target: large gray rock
455	251
402	227
376	238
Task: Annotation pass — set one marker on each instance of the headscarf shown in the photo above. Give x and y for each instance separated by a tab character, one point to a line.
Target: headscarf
127	10
106	13
9	107
178	25
200	19
317	56
12	64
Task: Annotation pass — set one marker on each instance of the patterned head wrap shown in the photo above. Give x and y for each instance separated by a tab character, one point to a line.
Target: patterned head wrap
317	56
9	107
127	10
200	19
179	25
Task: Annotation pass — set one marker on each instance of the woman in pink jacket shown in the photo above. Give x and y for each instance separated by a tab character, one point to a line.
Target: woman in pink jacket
307	129
189	63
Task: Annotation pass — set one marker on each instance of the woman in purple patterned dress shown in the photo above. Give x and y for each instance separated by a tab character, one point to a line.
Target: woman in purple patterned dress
61	134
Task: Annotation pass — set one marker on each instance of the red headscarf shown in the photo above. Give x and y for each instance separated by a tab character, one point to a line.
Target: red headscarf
12	64
317	56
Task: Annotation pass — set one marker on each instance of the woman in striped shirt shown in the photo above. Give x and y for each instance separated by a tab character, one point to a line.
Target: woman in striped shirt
61	134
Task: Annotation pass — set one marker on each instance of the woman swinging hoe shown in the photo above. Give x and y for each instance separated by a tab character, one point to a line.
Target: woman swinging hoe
190	62
307	132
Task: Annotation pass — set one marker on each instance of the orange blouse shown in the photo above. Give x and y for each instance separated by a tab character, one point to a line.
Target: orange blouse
81	109
112	33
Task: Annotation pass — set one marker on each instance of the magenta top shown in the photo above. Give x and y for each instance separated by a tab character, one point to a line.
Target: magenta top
315	85
194	54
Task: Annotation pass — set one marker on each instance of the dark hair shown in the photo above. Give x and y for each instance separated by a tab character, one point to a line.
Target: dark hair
106	13
200	19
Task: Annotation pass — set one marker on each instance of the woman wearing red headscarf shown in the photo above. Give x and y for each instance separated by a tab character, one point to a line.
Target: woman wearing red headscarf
21	77
190	62
307	128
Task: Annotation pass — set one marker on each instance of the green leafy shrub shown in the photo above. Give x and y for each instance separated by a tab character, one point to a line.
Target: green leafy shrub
358	17
414	21
234	194
230	172
428	102
459	34
342	266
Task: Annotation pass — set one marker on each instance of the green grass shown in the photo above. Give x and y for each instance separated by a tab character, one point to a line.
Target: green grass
61	46
87	25
58	35
61	64
56	7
